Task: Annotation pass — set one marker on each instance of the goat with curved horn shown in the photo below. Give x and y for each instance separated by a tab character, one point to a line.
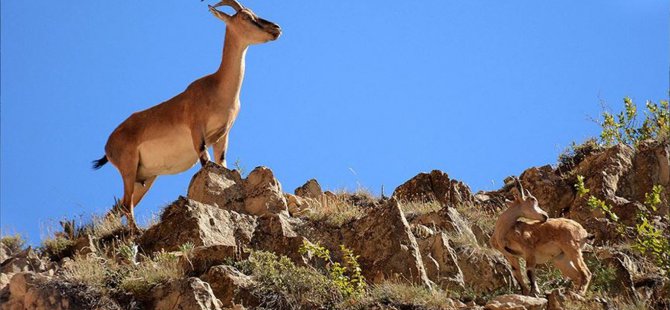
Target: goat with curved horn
557	240
173	136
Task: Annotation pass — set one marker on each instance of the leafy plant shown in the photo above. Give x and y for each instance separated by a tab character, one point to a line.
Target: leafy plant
347	277
596	204
579	186
624	127
651	240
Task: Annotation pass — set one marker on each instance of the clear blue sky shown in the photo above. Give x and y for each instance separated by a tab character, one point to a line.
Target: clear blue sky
479	89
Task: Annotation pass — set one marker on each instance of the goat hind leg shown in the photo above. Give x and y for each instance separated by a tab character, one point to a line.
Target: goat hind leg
530	272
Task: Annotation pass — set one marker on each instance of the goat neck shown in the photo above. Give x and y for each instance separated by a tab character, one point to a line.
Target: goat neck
231	71
504	224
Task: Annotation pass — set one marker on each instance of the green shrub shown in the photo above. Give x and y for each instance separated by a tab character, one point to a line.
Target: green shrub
347	277
604	276
282	284
580	188
651	240
625	128
57	247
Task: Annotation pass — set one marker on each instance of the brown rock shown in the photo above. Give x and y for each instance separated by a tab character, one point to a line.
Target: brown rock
484	270
440	261
434	186
553	193
204	257
263	193
187	220
516	302
186	294
260	193
216	185
447	220
386	245
276	233
311	189
230	286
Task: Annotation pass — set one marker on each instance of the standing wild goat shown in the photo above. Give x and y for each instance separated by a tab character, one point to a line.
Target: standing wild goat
171	137
558	240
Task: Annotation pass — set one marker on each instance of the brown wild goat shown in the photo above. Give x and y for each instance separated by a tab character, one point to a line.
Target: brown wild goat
557	240
171	137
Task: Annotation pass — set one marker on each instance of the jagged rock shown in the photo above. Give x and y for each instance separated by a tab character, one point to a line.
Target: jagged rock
440	261
216	185
260	193
24	261
298	205
447	220
186	220
29	290
434	186
5	252
516	302
263	193
484	270
230	286
651	166
186	294
553	193
203	257
311	189
275	233
386	245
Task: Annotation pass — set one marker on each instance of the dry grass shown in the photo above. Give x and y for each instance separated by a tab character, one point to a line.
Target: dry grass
90	270
413	208
14	243
396	293
335	211
160	268
479	217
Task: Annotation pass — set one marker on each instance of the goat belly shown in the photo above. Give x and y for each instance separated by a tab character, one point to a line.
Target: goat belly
168	155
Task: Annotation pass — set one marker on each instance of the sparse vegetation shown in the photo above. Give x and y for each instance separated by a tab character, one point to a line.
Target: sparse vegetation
57	247
416	208
625	127
14	243
346	276
576	153
336	211
401	294
651	240
285	285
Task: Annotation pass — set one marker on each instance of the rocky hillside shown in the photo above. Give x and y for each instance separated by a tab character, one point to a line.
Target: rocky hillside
237	242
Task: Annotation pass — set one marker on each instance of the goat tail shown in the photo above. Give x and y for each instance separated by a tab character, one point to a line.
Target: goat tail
97	164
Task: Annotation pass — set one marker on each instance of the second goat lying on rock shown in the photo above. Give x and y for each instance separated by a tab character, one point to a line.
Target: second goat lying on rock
557	240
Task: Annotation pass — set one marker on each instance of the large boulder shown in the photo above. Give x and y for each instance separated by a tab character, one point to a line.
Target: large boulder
186	220
259	194
184	294
24	261
276	233
434	186
230	286
484	269
440	260
311	189
386	245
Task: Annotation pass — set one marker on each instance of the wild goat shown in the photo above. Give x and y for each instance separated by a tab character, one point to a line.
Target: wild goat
170	137
558	240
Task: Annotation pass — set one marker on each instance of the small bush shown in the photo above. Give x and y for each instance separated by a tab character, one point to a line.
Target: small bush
416	208
399	294
14	243
576	153
604	276
651	240
90	270
346	276
160	268
625	127
57	247
282	284
336	212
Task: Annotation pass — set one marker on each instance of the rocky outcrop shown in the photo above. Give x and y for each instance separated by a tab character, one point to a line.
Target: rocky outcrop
186	220
186	294
28	290
260	193
434	186
230	286
386	245
311	189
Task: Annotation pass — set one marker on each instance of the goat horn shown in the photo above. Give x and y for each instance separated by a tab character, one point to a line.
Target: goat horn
520	188
231	3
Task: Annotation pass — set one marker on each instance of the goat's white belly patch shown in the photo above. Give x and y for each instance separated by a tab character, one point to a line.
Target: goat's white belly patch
171	154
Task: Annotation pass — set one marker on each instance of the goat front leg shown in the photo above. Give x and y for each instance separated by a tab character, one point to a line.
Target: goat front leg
516	272
220	148
530	272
